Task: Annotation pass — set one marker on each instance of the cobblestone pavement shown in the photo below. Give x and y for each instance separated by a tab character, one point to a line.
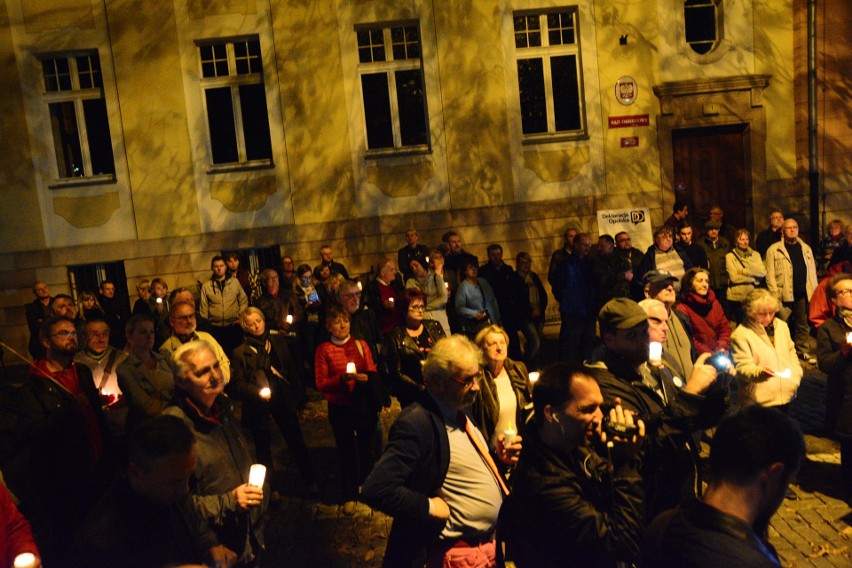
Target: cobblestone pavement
813	530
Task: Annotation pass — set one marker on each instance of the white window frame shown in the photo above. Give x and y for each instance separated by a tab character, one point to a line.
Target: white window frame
389	67
545	52
77	96
233	80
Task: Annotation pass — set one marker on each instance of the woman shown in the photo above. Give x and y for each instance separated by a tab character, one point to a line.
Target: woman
263	361
475	303
745	272
347	376
146	378
385	295
711	331
768	368
89	308
158	305
532	302
408	346
433	287
504	388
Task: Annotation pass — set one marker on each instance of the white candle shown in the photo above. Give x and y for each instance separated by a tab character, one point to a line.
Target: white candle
265	392
447	285
360	286
289	318
390	300
849	338
509	434
25	560
534	377
655	352
427	260
257	474
350	368
785	374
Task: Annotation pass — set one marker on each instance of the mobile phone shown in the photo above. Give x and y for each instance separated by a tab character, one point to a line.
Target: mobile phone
720	361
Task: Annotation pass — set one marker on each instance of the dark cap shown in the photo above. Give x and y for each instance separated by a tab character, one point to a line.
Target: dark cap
658	277
713	224
621	313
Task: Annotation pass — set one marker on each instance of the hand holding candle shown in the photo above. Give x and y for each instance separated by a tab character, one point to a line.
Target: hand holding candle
350	368
257	475
289	319
785	374
655	353
26	560
849	338
509	434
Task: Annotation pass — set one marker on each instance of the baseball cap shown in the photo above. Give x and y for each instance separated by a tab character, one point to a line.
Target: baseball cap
621	313
658	277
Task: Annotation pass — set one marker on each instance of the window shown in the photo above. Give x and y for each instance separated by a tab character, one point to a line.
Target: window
549	73
235	99
701	19
391	71
73	91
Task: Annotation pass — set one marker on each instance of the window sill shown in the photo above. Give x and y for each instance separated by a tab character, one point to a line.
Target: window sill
533	139
63	183
241	167
385	153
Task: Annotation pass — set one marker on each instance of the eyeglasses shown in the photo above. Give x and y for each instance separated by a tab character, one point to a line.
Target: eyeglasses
624	240
351	295
843	292
416	308
467	380
64	334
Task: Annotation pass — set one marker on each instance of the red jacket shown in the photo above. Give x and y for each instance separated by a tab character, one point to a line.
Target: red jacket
15	534
330	363
710	328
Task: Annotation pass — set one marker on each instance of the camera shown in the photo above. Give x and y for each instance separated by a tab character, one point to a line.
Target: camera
721	362
619	429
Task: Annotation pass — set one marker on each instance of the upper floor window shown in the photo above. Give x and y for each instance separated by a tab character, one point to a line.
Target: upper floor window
702	24
235	100
549	73
391	71
73	91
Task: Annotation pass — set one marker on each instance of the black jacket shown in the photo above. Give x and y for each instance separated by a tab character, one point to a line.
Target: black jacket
405	360
831	335
486	407
251	371
566	510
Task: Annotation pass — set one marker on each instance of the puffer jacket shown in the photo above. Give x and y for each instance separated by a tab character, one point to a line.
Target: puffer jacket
754	350
779	271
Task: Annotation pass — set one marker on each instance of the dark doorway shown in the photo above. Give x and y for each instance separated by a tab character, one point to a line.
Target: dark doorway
710	168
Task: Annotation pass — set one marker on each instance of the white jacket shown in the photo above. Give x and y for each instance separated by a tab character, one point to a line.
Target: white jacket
779	271
752	350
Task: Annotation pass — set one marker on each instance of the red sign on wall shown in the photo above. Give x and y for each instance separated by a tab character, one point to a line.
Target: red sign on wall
625	121
630	142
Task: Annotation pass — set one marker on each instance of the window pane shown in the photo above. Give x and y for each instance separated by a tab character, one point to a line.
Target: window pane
97	134
412	109
377	113
89	72
57	74
700	23
531	86
255	122
220	117
566	89
214	60
66	140
371	45
247	57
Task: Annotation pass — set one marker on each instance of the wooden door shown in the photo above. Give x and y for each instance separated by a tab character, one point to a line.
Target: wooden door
710	168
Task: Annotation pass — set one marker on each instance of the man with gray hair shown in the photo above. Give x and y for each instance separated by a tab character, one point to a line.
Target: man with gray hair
436	477
182	320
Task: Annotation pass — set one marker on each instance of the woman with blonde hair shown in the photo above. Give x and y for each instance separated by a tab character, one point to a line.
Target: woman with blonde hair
88	307
745	273
768	369
504	390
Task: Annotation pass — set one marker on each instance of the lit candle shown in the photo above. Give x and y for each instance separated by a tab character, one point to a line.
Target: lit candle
509	434
534	377
390	300
360	286
289	318
427	260
257	474
849	338
265	392
655	352
25	560
350	368
785	374
447	285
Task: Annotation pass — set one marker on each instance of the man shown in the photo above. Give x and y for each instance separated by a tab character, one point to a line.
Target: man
611	272
772	235
327	260
671	414
501	278
411	251
662	255
101	358
454	261
570	505
116	313
556	259
287	273
658	332
791	277
182	322
148	518
578	305
235	270
716	247
693	250
843	253
222	302
625	249
63	428
754	456
680	210
677	346
63	306
436	477
725	229
36	312
233	508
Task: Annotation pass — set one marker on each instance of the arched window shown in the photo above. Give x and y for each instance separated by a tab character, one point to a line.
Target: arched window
703	24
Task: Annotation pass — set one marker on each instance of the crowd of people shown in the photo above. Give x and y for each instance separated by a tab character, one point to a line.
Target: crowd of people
158	414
